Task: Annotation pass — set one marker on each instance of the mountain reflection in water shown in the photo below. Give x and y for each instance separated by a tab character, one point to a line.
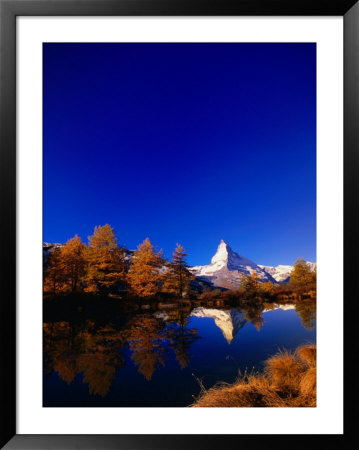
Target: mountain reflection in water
230	322
99	352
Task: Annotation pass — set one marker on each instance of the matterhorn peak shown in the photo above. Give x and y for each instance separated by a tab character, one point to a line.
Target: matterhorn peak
222	253
225	256
227	268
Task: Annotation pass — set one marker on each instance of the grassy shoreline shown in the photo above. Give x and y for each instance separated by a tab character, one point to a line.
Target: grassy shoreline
288	380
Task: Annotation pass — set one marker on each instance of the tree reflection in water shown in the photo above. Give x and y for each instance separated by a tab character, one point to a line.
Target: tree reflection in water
307	309
97	350
254	314
71	348
147	342
181	339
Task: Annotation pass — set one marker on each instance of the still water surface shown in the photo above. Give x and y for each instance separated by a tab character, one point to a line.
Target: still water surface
156	358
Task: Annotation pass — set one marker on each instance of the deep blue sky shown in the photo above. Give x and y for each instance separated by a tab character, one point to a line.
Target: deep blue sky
188	143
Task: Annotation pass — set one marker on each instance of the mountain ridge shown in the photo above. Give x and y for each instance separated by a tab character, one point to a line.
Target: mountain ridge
225	269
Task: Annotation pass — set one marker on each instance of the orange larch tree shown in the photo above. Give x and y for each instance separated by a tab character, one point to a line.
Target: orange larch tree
54	273
66	268
74	264
106	261
145	275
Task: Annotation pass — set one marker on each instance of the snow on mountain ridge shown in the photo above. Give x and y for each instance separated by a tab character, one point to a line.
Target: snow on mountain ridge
281	273
227	267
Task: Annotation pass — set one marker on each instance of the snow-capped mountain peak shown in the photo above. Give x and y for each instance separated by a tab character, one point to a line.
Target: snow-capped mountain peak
227	267
225	256
221	254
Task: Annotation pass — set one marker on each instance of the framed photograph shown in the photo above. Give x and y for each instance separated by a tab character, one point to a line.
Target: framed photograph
173	201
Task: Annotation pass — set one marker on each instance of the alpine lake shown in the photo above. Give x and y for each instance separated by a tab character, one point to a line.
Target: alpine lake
159	355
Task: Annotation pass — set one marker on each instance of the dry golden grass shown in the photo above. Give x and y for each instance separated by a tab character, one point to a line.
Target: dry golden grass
308	355
308	383
225	395
284	370
289	380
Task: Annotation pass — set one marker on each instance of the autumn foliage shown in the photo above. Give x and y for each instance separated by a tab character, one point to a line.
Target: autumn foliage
302	275
103	267
66	268
76	267
106	262
145	276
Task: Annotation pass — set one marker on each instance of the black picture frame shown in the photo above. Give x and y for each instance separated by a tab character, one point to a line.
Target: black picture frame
9	10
